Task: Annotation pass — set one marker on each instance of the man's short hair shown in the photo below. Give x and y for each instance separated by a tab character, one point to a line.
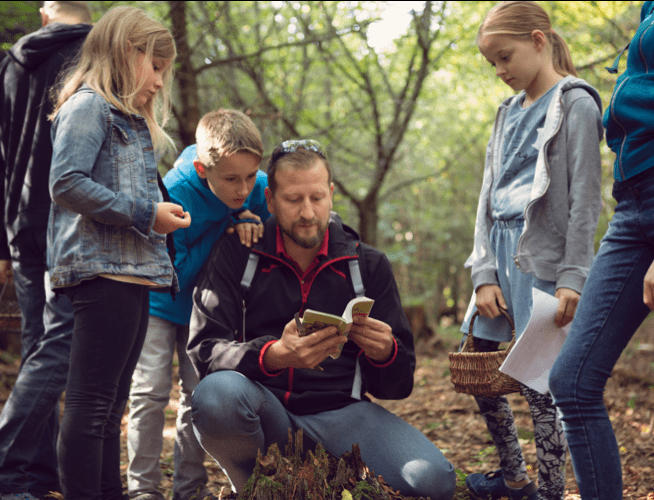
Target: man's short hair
225	132
298	155
78	10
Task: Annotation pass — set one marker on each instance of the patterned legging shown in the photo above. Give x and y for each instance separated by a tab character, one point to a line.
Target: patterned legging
549	436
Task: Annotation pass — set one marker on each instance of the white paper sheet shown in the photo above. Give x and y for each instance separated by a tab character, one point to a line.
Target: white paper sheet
533	355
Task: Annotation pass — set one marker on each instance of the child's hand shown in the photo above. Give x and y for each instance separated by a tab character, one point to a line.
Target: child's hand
248	232
489	300
6	273
170	217
648	287
568	300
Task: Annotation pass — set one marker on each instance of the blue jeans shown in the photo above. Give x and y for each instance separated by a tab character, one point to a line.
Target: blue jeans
610	311
111	318
30	418
234	417
151	385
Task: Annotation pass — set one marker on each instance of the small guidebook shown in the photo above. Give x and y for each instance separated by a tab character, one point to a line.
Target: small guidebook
315	320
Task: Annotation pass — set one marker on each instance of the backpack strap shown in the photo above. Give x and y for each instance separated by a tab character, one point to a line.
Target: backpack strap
246	281
614	68
360	291
355	274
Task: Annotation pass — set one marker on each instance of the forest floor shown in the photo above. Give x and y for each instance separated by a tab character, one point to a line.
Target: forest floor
451	420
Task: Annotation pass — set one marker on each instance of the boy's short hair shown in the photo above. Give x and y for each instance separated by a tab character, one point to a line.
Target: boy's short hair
79	10
225	132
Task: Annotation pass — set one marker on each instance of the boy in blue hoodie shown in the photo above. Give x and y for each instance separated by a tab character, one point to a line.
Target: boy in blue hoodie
219	182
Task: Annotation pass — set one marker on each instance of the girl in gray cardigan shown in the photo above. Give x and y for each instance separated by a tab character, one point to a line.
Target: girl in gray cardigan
536	221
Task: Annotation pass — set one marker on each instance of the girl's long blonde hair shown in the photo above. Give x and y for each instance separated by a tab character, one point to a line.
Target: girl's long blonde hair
519	18
108	67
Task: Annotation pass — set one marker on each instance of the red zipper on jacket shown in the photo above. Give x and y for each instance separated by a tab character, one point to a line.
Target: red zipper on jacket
326	264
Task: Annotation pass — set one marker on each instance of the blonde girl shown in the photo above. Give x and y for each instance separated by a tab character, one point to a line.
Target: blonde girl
536	221
107	232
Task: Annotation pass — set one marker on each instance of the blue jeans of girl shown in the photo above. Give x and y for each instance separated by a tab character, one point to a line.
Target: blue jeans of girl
234	417
111	318
610	311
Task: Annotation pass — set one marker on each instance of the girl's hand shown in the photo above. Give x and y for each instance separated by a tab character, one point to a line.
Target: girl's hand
648	287
6	273
489	300
170	217
248	232
568	300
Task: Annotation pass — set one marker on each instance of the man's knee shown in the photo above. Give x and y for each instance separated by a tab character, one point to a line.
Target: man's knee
216	401
436	480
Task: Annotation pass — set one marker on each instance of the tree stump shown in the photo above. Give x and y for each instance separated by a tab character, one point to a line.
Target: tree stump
320	476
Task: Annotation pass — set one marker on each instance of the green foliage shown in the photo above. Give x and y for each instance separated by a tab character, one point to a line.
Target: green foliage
460	477
405	125
17	19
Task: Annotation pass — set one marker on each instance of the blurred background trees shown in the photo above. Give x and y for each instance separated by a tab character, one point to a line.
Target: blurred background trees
396	91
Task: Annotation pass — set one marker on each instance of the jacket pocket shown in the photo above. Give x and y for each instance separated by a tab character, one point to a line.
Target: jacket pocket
123	142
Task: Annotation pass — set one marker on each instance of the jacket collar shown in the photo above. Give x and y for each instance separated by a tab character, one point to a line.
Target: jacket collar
568	83
85	88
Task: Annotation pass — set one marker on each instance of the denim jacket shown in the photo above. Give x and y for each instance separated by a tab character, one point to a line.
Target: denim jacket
557	242
103	184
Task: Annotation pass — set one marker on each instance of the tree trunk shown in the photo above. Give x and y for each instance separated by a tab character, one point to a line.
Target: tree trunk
188	113
368	220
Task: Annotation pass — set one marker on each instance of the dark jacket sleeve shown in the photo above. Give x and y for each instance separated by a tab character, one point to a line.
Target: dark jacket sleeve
393	379
215	330
4	245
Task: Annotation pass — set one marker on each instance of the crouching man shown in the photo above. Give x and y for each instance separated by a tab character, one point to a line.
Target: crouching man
257	374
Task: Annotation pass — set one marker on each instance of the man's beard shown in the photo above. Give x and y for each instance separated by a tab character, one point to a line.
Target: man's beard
314	241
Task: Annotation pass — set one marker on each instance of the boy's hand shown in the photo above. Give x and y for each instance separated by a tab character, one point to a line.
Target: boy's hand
248	232
568	300
170	217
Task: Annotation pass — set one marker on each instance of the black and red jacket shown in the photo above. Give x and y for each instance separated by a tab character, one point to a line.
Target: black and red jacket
216	340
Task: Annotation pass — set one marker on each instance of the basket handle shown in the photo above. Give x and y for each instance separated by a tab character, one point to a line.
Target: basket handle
469	345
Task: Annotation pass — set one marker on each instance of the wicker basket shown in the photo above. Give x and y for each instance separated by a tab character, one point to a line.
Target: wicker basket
478	373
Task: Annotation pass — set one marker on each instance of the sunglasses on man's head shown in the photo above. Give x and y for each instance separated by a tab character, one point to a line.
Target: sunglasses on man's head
288	147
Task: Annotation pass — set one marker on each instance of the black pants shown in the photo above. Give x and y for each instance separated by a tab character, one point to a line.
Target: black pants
111	319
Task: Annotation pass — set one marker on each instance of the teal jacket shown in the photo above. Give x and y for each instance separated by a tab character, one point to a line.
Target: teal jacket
629	118
210	218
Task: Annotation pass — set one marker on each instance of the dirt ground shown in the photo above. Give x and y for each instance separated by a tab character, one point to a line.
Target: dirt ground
452	422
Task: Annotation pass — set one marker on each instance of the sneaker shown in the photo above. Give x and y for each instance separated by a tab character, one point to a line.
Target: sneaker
17	496
491	486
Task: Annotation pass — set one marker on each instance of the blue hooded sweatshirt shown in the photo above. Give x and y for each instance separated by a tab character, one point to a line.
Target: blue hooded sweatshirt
629	117
209	219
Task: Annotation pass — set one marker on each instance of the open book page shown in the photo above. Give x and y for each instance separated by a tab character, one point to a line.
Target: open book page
316	320
534	353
